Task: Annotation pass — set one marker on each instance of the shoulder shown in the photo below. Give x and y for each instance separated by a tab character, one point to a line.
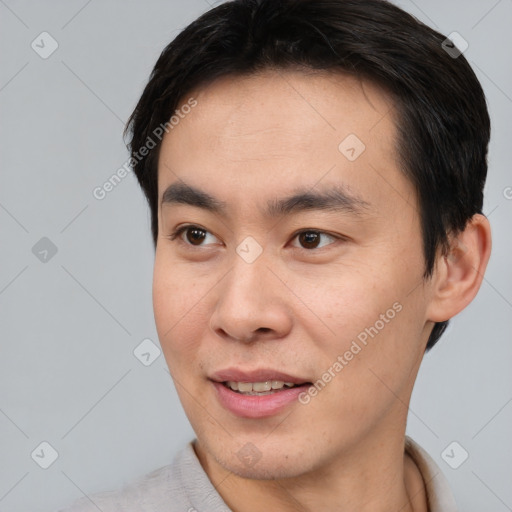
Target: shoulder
160	490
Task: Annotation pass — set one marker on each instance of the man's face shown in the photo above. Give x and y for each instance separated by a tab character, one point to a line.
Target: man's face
284	293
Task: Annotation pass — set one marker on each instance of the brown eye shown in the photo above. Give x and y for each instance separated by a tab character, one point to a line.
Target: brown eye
195	235
310	239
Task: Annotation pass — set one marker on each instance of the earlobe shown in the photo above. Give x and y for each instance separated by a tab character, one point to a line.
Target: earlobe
458	275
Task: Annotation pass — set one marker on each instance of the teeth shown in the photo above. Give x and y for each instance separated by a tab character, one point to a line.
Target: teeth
258	387
233	385
244	387
262	386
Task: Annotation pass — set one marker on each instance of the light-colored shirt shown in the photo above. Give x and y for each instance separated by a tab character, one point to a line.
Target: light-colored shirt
184	486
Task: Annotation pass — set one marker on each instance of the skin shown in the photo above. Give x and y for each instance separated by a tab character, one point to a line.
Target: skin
295	308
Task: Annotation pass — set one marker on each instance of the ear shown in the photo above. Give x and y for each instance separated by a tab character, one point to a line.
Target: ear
458	275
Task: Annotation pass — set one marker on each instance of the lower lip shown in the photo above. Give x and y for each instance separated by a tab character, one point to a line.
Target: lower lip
252	406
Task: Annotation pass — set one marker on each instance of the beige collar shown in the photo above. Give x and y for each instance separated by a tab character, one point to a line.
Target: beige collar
439	495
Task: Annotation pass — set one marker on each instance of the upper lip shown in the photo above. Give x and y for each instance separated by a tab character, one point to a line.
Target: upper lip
262	375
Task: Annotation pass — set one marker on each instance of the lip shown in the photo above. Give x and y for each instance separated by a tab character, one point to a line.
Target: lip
262	375
252	406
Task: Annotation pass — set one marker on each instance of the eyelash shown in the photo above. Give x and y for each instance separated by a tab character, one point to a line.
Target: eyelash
180	230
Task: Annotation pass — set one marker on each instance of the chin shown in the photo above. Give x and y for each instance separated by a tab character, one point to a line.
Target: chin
270	463
272	468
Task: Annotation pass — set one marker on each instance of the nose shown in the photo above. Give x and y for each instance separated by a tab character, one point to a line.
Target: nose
252	303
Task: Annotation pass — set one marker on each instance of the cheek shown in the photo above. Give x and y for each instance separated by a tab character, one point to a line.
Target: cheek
366	312
339	305
180	308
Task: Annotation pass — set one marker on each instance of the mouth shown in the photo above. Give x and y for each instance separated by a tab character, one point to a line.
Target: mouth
257	381
267	387
258	393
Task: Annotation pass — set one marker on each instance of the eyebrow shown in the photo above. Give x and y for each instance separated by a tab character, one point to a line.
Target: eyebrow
333	198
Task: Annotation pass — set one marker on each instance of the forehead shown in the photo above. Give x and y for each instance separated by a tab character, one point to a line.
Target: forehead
301	107
277	129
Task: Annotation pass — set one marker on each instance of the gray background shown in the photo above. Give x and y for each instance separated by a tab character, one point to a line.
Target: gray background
69	326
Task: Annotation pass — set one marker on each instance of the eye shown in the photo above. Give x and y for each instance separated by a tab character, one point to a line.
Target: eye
310	238
194	235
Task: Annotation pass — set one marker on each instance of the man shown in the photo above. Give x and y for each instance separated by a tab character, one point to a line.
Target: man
314	171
